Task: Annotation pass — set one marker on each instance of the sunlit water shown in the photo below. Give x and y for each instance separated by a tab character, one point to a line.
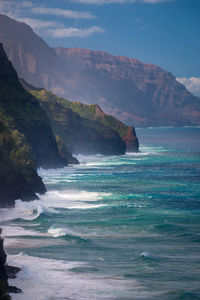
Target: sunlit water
125	227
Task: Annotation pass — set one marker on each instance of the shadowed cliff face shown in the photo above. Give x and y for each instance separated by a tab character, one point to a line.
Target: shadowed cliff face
87	113
3	276
26	139
80	134
21	110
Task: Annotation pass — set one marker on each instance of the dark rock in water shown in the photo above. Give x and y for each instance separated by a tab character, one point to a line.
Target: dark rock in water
11	271
5	273
3	276
14	290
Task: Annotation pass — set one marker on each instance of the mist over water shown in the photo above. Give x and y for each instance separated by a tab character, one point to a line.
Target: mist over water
115	227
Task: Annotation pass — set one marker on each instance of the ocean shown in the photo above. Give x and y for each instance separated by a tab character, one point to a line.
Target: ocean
114	227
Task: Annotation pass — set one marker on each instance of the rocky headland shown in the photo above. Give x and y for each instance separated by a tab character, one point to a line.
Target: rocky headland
85	128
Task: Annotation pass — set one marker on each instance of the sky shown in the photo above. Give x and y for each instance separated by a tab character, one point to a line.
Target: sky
162	32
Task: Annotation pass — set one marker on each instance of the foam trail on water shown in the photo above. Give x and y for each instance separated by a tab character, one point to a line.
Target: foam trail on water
10	231
47	279
57	232
70	199
73	199
24	210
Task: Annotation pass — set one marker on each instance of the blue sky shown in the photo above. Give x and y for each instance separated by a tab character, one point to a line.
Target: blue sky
162	32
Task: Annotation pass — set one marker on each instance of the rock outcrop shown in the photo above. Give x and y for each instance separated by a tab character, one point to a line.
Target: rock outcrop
5	273
95	113
3	276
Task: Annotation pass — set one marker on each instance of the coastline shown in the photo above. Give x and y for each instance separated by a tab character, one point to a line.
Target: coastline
6	272
76	208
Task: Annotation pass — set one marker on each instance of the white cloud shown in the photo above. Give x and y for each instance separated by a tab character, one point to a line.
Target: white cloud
74	32
100	2
192	84
10	4
73	14
38	24
24	10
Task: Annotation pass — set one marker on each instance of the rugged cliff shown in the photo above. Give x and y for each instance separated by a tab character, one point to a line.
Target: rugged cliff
134	92
26	139
80	134
90	112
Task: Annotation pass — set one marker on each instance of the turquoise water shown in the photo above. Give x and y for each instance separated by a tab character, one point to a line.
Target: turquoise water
120	228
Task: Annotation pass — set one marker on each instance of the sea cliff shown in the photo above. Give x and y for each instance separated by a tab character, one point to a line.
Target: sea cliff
103	133
26	139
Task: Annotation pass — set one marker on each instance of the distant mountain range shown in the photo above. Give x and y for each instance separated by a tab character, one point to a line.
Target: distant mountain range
139	94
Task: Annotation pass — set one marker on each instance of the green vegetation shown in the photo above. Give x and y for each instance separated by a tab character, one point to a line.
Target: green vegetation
91	112
75	124
26	139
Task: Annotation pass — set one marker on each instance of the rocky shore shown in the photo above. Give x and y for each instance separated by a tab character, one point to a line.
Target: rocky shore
6	272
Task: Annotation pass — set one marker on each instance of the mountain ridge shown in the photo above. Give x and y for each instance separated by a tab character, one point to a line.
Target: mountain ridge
136	93
141	86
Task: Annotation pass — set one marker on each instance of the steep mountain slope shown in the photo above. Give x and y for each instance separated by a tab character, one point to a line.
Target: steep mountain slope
33	59
80	134
92	112
26	139
139	94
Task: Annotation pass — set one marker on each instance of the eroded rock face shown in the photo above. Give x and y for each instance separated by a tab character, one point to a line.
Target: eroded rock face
132	144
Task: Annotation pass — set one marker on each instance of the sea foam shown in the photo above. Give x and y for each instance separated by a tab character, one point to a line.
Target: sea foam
47	279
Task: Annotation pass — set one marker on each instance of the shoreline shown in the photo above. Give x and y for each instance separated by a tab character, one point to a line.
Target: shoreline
6	272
